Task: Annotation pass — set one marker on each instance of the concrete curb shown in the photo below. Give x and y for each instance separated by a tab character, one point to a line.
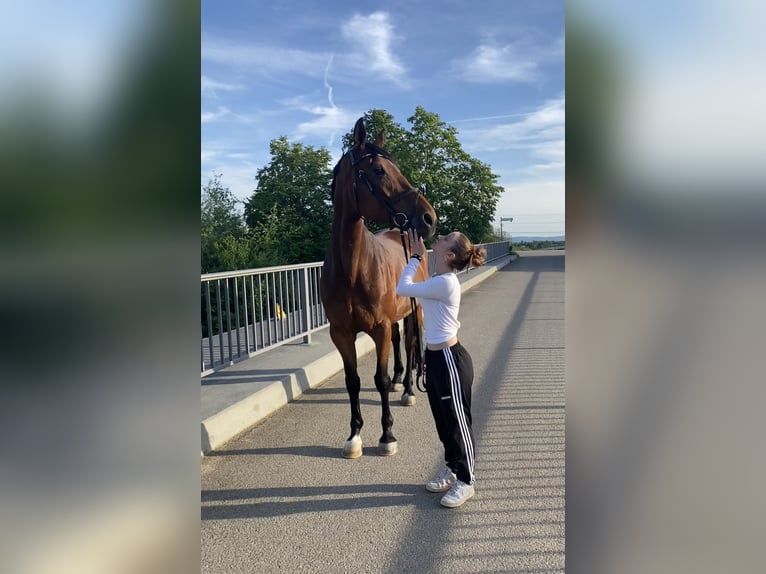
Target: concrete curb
476	277
233	420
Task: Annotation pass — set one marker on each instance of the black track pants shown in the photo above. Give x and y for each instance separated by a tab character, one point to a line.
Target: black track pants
449	378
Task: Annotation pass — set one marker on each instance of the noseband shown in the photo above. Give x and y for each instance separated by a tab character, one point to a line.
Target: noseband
400	220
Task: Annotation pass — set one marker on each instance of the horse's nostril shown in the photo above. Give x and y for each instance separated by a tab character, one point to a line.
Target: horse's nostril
428	219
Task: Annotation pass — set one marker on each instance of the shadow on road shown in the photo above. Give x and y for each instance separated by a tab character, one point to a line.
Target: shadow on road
520	453
270	502
313	451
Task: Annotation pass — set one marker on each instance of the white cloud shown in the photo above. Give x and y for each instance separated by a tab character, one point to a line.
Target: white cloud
219	113
491	64
262	58
207	155
225	113
372	36
211	87
520	60
553	152
329	120
541	132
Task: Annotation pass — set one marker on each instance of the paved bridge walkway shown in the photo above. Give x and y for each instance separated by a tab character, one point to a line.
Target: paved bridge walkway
279	498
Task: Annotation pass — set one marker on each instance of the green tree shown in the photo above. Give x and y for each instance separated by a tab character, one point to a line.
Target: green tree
233	253
462	189
222	231
468	199
377	121
289	214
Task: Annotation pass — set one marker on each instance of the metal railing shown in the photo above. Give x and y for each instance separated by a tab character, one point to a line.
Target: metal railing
247	312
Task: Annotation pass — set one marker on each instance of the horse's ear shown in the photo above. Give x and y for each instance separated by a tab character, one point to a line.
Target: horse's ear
380	140
360	134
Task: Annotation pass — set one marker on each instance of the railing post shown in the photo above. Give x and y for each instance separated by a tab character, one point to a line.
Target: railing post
228	320
306	296
210	335
280	291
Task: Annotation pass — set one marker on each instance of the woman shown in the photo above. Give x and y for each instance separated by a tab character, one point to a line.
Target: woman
449	368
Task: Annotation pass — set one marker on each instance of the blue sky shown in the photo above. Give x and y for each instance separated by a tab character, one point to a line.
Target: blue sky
308	70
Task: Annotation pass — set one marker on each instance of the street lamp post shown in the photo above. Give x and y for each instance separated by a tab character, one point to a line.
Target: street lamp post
508	219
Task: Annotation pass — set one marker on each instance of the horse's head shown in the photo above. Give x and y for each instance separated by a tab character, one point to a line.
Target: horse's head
370	185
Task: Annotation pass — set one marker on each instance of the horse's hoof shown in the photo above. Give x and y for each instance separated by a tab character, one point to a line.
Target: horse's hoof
397	387
352	448
387	448
407	400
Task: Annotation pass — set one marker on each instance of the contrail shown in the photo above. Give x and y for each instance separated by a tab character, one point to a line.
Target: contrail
489	118
326	83
329	95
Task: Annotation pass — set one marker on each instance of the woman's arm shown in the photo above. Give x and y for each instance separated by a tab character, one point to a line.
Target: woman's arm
434	288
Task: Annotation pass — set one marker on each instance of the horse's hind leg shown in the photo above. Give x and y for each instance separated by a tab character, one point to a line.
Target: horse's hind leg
398	366
382	336
344	342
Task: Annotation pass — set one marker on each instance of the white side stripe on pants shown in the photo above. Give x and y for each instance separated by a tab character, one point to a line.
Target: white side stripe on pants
457	403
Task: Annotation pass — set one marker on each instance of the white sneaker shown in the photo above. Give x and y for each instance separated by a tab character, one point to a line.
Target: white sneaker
442	481
458	494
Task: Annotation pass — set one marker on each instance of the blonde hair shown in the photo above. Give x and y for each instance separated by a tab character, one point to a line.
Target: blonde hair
466	253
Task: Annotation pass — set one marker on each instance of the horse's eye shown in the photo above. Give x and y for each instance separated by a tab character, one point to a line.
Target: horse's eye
380	172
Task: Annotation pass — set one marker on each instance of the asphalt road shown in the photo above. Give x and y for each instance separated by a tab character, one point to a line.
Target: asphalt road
279	498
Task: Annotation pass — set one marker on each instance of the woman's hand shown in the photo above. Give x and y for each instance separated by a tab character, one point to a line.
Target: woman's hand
417	247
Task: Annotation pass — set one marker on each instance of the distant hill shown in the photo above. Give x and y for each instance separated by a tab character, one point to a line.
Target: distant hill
528	238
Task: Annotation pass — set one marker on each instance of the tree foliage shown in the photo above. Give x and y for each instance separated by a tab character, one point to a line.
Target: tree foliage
380	121
222	231
290	211
538	244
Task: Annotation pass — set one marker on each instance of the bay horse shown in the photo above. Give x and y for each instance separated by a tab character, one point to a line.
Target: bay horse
361	270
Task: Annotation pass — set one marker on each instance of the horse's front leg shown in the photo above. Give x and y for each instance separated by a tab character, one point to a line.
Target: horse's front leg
396	341
408	396
344	342
382	336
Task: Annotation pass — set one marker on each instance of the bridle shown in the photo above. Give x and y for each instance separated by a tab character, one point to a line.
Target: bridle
398	219
402	222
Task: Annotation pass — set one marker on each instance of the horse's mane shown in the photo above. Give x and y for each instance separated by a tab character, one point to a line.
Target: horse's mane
375	151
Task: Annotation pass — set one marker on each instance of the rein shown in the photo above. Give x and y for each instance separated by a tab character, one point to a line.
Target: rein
419	383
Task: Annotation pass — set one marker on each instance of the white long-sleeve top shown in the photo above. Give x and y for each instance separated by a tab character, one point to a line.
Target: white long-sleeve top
440	298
